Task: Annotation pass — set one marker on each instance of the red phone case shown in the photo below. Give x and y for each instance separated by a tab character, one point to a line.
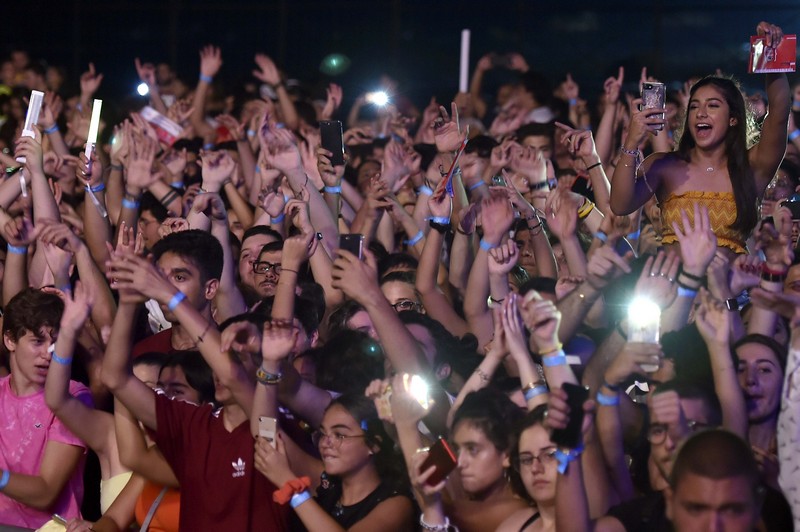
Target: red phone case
441	456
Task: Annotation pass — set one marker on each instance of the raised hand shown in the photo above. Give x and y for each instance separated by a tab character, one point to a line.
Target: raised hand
503	258
90	81
745	273
562	214
698	242
279	147
175	161
542	319
612	87
297	210
298	249
142	154
666	411
211	205
232	125
267	71
272	201
331	175
242	338
657	281
218	166
713	320
172	225
513	326
358	279
333	101
605	264
277	340
210	61
773	34
496	218
76	308
146	72
52	106
272	462
632	360
580	143
31	149
776	240
447	133
20	231
59	235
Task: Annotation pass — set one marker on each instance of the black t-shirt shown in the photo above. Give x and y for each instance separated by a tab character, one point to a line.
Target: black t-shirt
643	514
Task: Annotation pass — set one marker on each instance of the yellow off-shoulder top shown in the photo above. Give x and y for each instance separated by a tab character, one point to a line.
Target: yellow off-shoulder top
721	212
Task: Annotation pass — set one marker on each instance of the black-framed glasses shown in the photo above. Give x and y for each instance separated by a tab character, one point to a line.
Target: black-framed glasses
334	439
407	304
262	267
526	460
657	433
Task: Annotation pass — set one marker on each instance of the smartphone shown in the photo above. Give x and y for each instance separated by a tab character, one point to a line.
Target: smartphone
353	242
570	436
654	96
332	140
441	456
268	429
499	181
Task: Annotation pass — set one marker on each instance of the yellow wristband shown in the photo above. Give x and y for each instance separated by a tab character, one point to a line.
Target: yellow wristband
586	208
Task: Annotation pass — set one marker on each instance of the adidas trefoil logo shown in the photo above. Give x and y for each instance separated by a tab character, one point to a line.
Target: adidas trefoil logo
238	468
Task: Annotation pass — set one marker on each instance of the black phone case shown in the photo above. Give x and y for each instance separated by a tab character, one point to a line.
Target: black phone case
332	140
353	243
570	436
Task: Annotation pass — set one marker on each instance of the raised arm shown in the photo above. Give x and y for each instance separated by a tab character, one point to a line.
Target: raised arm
210	63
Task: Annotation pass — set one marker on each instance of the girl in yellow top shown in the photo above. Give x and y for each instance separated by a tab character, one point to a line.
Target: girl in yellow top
713	165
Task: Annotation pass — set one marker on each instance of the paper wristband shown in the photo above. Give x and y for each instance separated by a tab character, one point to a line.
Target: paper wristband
299	499
130	204
607	400
486	246
559	359
60	360
535	392
333	190
17	250
413	241
685	292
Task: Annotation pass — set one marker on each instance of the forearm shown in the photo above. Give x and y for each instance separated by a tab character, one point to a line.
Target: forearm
764	320
247	160
610	434
115	189
475	308
116	363
229	299
399	345
56	388
322	269
604	140
283	305
572	507
600	185
729	392
134	453
167	196
384	234
475	93
627	193
546	265
265	398
44	204
32	490
574	308
96	228
239	204
461	259
15	277
351	195
197	118
288	110
478	380
576	260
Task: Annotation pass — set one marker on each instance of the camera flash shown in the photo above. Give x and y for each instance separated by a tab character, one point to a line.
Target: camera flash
379	98
143	89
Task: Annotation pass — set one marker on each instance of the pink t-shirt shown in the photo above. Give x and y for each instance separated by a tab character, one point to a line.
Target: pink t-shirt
26	425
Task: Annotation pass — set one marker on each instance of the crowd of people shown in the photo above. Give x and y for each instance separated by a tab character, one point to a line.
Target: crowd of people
252	335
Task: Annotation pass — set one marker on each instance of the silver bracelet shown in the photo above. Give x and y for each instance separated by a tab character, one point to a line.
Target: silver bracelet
438	528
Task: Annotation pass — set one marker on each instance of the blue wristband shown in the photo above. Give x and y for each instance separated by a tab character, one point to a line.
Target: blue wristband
479	184
208	146
564	457
441	220
207	79
299	498
4	479
634	235
686	292
99	188
333	190
413	241
18	250
794	134
425	189
535	392
601	236
559	359
573	102
177	184
251	132
486	246
607	400
278	220
175	301
50	130
59	360
130	204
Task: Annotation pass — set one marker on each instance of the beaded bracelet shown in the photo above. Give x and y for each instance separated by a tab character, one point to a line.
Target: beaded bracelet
435	528
267	378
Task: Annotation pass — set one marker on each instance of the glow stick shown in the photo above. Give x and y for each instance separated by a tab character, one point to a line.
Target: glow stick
464	70
94	126
31	118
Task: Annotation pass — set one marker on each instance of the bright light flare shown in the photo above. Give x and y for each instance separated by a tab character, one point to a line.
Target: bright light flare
379	98
143	89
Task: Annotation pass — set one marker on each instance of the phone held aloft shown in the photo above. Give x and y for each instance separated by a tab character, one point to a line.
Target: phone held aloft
570	436
354	243
443	458
332	139
654	96
268	429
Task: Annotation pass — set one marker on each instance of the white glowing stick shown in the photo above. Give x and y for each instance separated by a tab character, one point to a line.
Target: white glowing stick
94	126
31	118
463	73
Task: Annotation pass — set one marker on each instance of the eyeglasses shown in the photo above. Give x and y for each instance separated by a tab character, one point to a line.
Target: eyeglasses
525	460
656	434
407	304
263	267
334	439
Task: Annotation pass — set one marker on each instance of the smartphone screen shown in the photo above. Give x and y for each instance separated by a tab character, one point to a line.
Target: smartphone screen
654	96
332	140
354	243
570	436
268	429
441	456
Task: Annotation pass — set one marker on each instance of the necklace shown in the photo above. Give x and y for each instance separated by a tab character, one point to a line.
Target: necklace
710	169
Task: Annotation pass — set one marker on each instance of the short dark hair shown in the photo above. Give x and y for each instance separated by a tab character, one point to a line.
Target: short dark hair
537	129
493	413
261	230
29	311
197	371
482	146
150	204
348	362
689	390
395	260
198	247
717	454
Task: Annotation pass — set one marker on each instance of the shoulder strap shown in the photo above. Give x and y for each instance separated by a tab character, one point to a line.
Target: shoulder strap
529	522
152	511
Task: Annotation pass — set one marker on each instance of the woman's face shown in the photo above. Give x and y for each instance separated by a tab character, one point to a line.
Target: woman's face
761	378
537	464
480	464
402	296
343	449
709	117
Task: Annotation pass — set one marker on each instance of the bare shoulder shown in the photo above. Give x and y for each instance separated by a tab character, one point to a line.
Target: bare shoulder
516	520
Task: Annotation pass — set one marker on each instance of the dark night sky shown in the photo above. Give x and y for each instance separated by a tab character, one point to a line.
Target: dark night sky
415	40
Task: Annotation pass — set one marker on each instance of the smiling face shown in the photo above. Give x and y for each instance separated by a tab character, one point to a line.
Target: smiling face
761	378
709	117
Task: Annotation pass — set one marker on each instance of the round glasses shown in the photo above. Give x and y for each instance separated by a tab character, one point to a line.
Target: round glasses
407	304
656	434
334	439
526	460
262	267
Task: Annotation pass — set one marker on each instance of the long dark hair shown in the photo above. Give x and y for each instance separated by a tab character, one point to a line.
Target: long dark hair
741	175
